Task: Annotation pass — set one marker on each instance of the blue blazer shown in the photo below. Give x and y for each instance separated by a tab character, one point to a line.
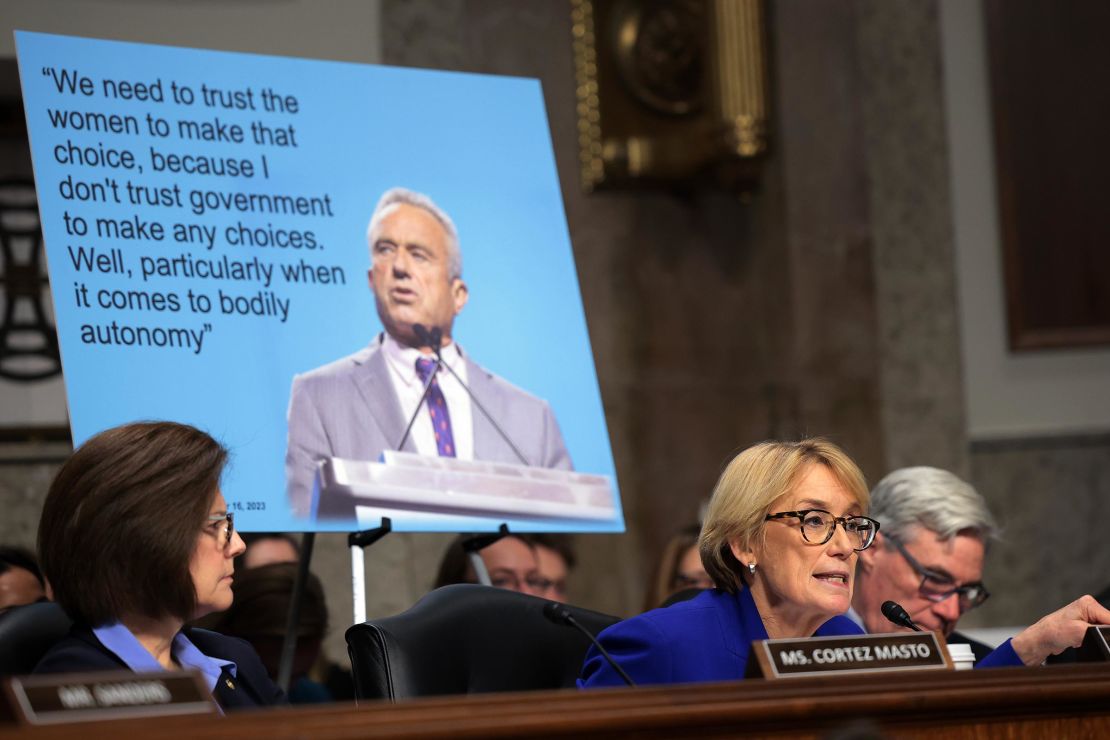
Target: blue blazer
1002	656
707	638
80	652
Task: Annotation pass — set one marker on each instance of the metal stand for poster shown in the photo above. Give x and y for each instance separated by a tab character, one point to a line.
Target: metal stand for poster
473	546
417	484
358	542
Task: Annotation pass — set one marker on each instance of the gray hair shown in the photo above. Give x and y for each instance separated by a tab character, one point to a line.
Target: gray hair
404	196
931	498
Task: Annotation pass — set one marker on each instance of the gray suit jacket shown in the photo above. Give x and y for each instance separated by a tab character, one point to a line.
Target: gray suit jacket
348	409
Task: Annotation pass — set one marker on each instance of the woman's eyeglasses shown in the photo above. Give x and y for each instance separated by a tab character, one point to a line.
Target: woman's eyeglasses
225	531
818	525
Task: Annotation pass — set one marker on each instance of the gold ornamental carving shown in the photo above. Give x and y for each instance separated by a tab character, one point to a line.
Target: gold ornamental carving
670	92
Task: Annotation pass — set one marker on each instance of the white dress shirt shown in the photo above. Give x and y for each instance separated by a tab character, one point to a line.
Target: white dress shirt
401	362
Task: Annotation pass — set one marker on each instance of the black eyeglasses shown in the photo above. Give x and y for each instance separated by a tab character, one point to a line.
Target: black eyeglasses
229	529
818	525
937	587
533	581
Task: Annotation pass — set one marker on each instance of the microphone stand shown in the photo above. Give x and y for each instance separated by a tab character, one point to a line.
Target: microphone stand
359	541
559	614
423	399
434	337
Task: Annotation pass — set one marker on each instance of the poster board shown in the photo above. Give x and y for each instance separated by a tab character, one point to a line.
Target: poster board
205	216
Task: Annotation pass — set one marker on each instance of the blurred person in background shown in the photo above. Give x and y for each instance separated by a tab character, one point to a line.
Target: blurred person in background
555	559
511	562
264	548
678	570
20	579
258	615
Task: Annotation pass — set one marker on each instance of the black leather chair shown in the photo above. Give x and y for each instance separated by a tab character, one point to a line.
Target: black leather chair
468	639
27	632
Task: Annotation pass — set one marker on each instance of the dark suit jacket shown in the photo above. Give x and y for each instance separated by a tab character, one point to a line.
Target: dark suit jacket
704	639
80	651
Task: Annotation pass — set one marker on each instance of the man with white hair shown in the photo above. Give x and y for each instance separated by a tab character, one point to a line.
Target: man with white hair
928	557
359	405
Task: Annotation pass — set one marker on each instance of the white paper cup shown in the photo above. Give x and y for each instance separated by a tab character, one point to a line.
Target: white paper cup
962	657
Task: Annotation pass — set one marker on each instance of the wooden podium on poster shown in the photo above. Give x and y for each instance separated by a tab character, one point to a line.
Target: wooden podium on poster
1052	701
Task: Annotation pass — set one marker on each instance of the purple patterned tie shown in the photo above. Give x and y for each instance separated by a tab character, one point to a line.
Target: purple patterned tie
437	407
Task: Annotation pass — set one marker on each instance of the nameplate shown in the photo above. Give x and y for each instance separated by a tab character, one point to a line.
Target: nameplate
1096	645
819	656
82	697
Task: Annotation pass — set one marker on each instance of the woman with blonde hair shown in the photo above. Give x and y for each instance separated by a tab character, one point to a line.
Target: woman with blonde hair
780	541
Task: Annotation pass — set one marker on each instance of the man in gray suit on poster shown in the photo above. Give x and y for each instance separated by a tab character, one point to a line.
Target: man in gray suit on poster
358	406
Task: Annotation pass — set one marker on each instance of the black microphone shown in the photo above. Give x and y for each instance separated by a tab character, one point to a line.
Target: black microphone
430	338
893	611
559	614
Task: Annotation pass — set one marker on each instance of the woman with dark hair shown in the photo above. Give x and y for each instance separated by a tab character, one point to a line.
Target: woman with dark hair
259	615
20	578
136	540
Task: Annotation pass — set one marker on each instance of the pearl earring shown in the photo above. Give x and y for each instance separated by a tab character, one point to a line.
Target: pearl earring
751	568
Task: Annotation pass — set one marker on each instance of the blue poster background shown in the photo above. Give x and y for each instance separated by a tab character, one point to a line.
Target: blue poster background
479	145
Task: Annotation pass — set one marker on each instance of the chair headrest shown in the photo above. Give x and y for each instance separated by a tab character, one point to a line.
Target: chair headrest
467	638
27	632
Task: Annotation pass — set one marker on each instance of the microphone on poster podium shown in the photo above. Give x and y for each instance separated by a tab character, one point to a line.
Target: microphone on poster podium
559	614
424	337
433	338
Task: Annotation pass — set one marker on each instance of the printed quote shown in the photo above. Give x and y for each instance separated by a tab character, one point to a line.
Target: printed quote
171	218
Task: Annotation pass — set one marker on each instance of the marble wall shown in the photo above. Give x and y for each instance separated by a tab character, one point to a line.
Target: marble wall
1049	496
911	225
23	484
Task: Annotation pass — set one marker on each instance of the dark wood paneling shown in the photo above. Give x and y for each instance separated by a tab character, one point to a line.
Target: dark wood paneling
1048	69
1055	701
